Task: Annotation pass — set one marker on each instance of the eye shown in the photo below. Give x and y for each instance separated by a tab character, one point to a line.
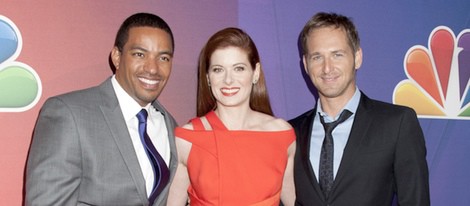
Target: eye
239	68
339	55
315	57
138	54
165	58
216	69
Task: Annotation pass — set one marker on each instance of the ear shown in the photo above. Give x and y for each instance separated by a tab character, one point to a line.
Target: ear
208	81
256	73
358	59
304	61
115	57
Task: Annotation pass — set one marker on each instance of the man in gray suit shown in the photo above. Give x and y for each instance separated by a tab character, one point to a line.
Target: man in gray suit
87	147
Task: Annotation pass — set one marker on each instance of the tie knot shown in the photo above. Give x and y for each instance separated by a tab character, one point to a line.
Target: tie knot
331	125
142	116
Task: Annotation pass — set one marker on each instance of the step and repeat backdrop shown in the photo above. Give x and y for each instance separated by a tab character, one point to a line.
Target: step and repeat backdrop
416	53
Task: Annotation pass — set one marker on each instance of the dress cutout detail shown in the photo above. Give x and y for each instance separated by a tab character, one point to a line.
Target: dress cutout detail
237	167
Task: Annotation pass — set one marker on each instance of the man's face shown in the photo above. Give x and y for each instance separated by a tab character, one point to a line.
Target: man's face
331	63
144	64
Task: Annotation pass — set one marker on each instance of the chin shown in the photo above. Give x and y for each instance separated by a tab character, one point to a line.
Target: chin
331	94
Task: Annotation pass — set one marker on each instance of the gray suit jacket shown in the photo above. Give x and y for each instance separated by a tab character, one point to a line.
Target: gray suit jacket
82	153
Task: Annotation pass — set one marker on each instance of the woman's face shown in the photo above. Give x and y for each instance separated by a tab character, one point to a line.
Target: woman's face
231	76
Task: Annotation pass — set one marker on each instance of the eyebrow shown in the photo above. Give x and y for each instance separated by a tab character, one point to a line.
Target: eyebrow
238	64
334	51
339	50
309	55
170	53
138	48
233	65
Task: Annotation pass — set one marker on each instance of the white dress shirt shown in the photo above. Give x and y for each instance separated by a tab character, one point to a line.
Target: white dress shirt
156	129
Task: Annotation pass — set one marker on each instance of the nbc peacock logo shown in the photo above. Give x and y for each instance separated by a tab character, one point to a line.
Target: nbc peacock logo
20	85
438	76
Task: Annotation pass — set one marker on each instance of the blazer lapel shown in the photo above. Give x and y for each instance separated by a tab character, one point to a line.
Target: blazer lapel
362	122
114	118
305	132
170	125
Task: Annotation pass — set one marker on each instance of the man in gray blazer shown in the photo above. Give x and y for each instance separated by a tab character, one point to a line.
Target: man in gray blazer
86	147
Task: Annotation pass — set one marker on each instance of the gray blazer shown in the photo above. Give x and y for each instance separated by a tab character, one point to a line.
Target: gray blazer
82	153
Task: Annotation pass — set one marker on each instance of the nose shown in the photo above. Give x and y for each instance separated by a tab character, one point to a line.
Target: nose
228	79
327	66
151	66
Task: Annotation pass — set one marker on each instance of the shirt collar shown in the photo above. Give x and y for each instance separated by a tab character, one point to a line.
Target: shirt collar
128	105
352	105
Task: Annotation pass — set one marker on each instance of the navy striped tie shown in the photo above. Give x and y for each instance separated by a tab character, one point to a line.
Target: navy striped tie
159	166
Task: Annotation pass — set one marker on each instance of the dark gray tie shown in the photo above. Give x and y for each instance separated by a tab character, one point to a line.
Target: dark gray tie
160	170
327	152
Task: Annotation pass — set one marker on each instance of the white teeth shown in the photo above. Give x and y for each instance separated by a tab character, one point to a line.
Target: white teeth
229	90
328	78
148	81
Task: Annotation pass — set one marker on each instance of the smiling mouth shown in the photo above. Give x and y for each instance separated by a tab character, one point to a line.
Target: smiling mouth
229	91
148	81
329	79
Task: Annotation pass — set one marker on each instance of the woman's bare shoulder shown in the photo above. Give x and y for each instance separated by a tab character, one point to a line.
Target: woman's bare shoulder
271	123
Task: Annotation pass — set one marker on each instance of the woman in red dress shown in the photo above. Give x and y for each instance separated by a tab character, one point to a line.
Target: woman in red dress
235	152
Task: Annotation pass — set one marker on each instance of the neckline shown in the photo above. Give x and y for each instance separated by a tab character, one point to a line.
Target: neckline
215	121
217	124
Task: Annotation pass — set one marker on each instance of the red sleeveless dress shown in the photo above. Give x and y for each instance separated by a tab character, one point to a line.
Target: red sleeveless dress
235	167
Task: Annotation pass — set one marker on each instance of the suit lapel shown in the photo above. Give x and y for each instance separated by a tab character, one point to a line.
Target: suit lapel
305	132
362	122
170	125
114	119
